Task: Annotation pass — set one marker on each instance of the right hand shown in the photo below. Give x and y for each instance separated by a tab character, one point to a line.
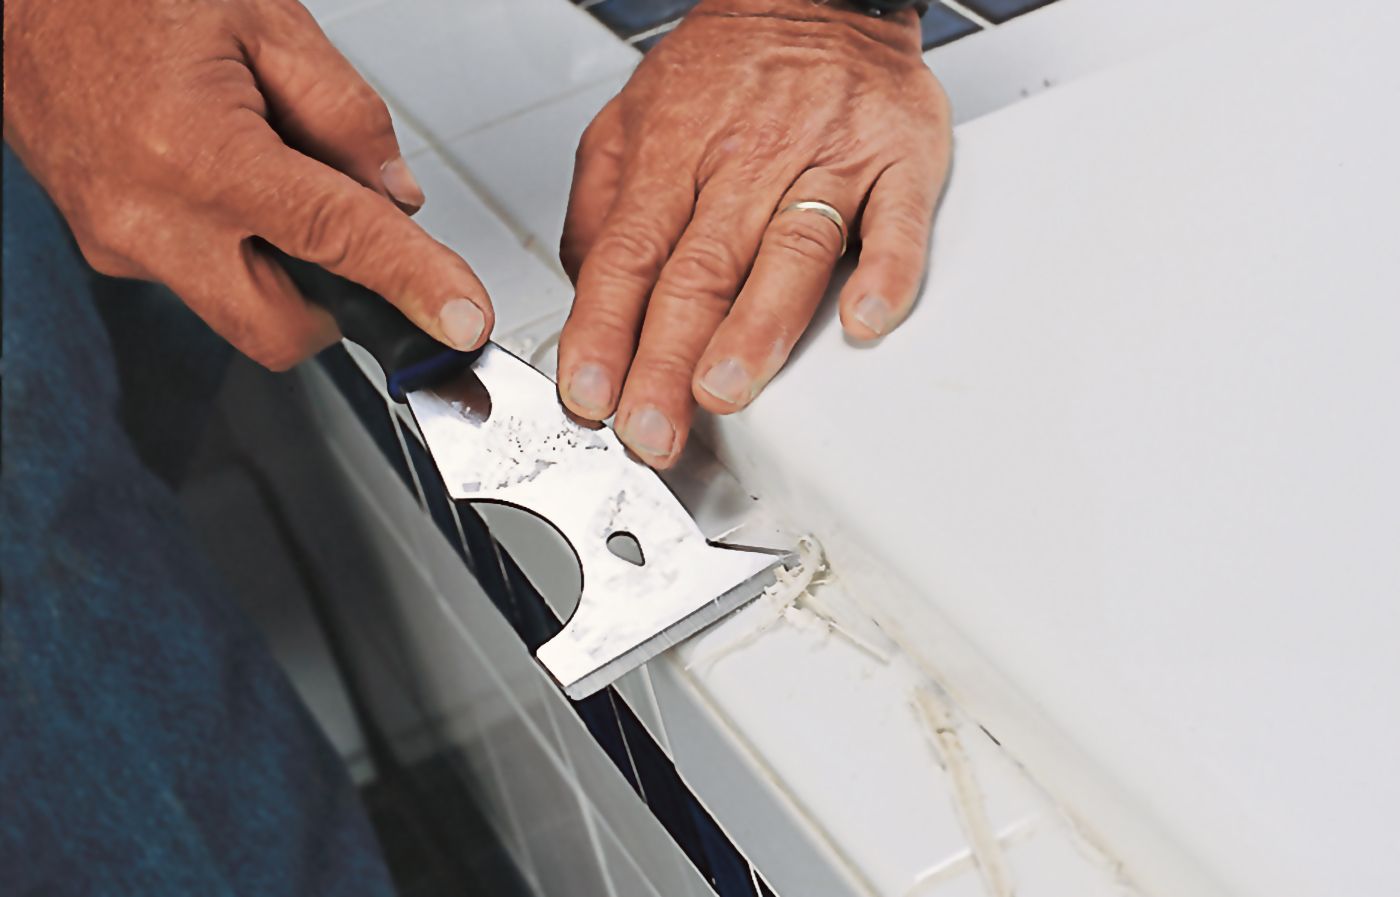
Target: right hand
177	135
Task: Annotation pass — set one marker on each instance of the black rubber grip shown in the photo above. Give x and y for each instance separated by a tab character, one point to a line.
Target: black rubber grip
410	358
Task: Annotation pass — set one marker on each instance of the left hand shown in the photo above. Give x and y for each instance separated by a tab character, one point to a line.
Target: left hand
687	283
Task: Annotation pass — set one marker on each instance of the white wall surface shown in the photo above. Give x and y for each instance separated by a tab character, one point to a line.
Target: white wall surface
1132	462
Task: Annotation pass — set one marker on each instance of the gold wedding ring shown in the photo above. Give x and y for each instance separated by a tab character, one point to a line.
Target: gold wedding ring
826	210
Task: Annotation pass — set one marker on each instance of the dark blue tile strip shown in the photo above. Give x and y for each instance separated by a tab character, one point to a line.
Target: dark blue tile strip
369	406
435	498
627	18
942	25
998	11
730	875
599	715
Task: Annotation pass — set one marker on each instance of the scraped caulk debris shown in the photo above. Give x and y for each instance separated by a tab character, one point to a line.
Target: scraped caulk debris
983	843
782	602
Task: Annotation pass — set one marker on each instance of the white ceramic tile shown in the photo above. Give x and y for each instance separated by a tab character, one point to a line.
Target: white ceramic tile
635	688
1009	795
624	875
738	789
1050	864
326	11
562	849
603	787
789	688
466	617
523	302
386	658
538	343
411	140
965	883
455	66
456	216
1063	41
526	164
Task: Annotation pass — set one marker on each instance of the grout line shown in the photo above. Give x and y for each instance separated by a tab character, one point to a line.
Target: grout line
966	13
969	802
805	821
653	31
662	736
627	748
573	91
346	12
962	862
439	145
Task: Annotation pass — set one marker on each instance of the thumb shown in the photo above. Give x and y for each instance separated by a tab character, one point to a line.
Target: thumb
312	212
319	104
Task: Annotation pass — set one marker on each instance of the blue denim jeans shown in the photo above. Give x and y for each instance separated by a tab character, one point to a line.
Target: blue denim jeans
149	744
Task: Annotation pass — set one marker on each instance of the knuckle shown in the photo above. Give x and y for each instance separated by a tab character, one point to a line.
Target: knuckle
807	237
664	368
908	223
323	234
375	118
633	249
592	138
600	323
707	268
352	103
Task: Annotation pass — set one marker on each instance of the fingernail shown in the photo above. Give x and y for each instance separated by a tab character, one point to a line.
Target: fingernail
462	323
401	183
874	312
728	382
649	431
589	389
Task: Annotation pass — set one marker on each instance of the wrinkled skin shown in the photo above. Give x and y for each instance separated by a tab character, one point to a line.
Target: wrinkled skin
176	135
689	289
179	137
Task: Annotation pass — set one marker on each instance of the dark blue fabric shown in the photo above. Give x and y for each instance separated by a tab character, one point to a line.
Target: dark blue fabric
149	745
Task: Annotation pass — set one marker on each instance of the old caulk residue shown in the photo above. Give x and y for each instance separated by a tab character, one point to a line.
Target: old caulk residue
798	603
971	806
930	881
784	602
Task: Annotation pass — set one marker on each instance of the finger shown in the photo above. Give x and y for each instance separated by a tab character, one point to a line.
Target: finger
614	283
693	294
597	171
312	212
321	105
895	230
248	300
800	249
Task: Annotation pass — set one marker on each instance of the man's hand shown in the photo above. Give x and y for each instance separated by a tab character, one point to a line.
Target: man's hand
687	283
177	135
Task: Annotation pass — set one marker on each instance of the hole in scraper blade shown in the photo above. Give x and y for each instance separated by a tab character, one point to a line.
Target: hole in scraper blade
626	546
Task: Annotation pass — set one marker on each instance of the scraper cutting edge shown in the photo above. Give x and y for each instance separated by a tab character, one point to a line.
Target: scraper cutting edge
497	432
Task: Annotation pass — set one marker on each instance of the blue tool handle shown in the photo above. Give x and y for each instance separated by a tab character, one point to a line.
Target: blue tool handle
410	358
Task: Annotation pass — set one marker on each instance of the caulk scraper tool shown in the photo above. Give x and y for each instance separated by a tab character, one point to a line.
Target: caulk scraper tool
498	433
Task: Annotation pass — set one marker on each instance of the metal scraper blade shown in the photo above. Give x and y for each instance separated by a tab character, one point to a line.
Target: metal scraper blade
498	433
